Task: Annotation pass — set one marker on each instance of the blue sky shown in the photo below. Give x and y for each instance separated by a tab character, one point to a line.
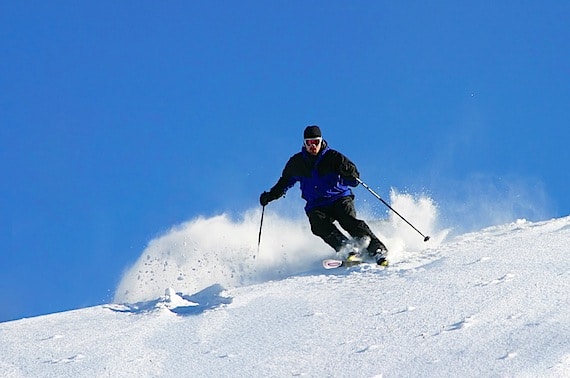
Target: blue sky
119	120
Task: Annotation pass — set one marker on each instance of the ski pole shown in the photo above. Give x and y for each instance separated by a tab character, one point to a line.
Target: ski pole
260	226
426	238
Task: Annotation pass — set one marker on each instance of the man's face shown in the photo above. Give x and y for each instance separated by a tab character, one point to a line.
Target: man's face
313	145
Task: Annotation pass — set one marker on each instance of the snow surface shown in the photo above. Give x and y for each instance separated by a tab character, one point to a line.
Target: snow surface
492	303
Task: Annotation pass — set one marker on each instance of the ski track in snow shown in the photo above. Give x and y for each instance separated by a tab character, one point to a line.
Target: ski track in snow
470	307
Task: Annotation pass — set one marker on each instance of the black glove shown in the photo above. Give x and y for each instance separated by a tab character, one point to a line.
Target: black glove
349	170
265	198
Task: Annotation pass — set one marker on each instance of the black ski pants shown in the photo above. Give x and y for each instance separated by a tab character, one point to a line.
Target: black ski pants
342	210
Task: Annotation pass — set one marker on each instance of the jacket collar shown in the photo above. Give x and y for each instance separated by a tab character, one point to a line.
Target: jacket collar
314	160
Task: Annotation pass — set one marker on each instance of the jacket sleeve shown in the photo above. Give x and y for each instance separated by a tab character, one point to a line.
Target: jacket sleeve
347	170
285	182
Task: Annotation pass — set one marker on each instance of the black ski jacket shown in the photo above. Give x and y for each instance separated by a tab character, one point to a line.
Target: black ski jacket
324	178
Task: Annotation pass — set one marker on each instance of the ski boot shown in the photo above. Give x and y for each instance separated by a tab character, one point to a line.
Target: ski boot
381	259
379	255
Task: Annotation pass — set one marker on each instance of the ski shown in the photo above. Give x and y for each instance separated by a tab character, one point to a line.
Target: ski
335	263
354	250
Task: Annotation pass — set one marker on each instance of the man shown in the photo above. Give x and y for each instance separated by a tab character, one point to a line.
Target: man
325	176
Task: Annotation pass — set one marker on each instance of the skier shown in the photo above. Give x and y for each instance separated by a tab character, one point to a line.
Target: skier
325	176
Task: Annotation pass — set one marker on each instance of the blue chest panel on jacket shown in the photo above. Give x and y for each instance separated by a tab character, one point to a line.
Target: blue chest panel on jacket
321	190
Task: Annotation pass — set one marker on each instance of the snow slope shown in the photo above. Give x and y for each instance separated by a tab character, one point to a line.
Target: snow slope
491	303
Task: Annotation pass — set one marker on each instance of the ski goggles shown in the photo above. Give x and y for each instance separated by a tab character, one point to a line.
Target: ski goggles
313	142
